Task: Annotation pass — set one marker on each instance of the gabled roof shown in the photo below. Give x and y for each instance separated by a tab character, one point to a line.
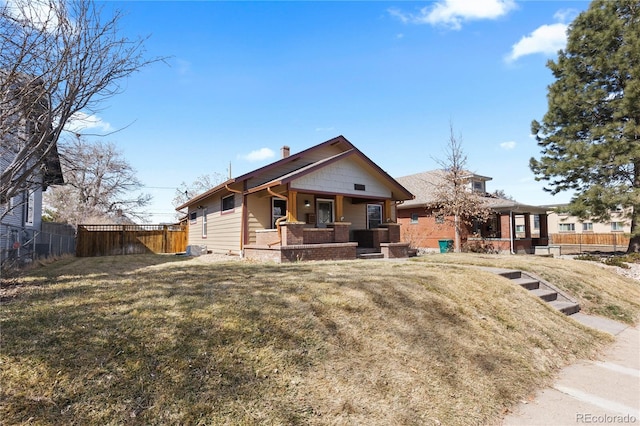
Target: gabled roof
300	164
424	185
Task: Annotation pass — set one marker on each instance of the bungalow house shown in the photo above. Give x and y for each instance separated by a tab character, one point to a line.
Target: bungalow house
327	202
512	227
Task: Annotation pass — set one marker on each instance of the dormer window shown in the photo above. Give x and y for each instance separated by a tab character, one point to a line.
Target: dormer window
478	186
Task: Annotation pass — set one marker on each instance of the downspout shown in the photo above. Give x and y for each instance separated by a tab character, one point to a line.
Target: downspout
511	231
281	219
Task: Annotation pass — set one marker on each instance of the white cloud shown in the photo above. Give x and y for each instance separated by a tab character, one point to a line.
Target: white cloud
546	39
39	13
258	155
81	121
452	13
508	145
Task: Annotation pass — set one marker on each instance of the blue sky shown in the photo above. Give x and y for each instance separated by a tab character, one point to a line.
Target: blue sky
243	79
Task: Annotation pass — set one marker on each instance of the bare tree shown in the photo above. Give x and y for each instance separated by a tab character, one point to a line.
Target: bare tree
99	186
455	196
202	184
58	59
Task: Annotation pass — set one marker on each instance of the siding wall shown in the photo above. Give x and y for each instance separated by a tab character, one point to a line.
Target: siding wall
223	229
317	155
340	178
259	216
554	220
356	214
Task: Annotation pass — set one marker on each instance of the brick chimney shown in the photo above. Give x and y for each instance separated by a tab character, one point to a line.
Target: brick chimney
285	151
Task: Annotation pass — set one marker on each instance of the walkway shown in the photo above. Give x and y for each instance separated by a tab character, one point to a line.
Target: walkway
600	392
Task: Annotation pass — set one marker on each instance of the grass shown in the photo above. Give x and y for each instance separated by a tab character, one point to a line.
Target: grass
167	340
599	291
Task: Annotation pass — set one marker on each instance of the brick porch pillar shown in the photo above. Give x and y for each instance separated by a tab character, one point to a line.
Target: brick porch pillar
394	231
292	233
340	231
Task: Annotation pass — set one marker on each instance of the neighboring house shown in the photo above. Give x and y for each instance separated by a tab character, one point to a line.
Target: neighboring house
559	222
327	202
575	235
21	215
512	227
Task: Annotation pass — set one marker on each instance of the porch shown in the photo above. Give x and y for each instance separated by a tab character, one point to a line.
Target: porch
300	241
516	231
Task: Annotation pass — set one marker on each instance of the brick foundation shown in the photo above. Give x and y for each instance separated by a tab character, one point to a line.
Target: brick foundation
394	250
301	252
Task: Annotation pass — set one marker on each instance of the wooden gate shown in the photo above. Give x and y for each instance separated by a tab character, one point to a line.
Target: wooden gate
108	240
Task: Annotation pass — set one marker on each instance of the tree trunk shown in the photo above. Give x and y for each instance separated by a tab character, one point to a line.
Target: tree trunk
634	242
456	225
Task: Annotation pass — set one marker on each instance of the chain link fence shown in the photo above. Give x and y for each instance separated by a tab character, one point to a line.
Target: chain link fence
20	246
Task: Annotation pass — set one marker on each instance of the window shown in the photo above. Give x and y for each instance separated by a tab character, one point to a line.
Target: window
617	226
536	222
520	228
478	186
228	203
374	216
278	210
439	219
587	227
204	223
414	217
566	227
29	210
193	217
359	187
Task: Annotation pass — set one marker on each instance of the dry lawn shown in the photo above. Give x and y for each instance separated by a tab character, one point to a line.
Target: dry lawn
168	340
597	289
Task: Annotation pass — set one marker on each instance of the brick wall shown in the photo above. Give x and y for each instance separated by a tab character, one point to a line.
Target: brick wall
318	236
302	252
425	233
394	250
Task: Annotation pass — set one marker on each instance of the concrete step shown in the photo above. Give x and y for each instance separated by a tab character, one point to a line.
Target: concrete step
507	273
542	289
527	282
567	308
370	256
545	294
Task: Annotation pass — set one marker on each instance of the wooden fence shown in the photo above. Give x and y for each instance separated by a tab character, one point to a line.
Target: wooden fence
619	240
107	240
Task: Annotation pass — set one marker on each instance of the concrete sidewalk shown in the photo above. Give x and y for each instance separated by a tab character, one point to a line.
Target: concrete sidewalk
602	392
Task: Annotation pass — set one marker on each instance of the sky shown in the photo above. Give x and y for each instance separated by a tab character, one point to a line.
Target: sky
243	78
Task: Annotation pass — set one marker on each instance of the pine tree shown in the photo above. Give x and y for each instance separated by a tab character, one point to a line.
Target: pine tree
590	135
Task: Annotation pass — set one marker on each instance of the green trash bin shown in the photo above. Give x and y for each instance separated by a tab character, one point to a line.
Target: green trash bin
446	246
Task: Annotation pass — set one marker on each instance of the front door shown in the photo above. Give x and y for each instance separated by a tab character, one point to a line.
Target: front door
374	216
324	209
